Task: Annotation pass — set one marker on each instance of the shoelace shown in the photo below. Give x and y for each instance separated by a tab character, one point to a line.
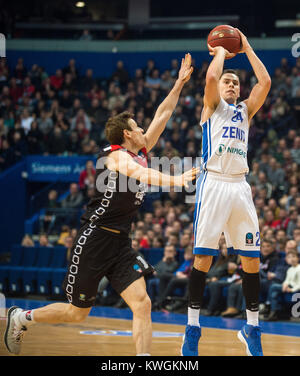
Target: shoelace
19	333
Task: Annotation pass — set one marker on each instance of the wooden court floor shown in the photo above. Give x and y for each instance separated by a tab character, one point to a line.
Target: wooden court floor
66	340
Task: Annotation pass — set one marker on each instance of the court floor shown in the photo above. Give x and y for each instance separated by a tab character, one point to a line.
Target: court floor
107	332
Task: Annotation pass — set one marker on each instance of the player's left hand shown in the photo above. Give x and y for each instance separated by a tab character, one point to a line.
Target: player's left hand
186	69
245	43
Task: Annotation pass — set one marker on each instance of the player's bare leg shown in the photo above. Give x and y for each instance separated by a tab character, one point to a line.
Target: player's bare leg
203	262
60	312
139	302
19	320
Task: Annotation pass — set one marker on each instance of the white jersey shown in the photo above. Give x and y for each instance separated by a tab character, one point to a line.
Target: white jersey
225	139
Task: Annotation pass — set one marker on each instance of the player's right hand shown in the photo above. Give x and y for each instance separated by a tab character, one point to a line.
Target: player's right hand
213	51
188	176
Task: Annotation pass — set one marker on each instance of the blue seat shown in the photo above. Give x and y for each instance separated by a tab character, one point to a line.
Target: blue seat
44	275
15	272
15	260
29	274
153	255
57	278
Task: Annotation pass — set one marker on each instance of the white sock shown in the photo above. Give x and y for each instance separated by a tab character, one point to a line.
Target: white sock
146	354
26	318
193	317
252	317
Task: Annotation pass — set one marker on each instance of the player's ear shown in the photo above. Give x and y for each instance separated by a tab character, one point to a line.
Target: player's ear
126	133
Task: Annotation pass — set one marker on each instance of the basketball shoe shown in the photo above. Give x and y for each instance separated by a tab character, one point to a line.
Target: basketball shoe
14	332
190	341
249	335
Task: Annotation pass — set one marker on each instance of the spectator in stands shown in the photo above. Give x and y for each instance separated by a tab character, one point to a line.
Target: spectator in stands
87	82
35	139
217	279
57	80
120	75
164	268
57	141
26	120
81	118
74	199
71	69
19	146
86	35
268	261
87	177
7	157
68	243
291	284
279	274
292	223
45	122
44	241
153	81
47	221
27	241
179	279
235	298
64	233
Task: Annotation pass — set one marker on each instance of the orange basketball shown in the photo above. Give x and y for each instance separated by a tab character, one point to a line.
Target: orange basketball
225	36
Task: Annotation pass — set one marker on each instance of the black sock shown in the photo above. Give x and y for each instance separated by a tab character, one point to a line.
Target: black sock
251	290
196	288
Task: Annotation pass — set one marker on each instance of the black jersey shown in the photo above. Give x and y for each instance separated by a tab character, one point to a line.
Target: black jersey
117	197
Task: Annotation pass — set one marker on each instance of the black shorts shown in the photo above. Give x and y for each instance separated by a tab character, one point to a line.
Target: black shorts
97	253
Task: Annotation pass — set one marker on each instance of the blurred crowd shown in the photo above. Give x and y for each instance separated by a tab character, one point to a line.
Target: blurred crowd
65	114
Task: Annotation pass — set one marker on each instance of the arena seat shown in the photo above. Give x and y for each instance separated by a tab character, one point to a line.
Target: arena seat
15	272
29	274
44	275
57	278
15	260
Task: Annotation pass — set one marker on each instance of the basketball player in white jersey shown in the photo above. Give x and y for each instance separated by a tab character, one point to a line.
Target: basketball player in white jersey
223	197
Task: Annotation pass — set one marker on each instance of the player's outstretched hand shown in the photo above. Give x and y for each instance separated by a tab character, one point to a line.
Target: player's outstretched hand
188	176
214	50
186	69
245	43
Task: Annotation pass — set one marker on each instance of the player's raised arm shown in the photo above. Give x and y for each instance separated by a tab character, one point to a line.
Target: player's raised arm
167	107
214	72
123	163
261	89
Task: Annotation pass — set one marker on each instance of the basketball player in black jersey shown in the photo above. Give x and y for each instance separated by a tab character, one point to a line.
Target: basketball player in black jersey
102	246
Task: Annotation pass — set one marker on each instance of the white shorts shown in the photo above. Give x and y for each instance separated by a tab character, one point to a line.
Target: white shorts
224	204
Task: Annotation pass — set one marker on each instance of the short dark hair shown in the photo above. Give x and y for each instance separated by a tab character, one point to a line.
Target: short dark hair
233	71
115	126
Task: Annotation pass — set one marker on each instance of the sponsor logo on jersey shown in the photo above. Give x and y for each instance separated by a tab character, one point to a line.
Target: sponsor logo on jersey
222	148
237	151
137	268
249	238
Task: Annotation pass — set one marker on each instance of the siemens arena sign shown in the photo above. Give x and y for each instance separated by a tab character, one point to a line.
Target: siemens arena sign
68	169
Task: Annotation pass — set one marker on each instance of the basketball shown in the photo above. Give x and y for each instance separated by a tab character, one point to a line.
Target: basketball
225	36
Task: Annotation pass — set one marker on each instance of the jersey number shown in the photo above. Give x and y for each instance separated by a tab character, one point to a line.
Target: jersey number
257	239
